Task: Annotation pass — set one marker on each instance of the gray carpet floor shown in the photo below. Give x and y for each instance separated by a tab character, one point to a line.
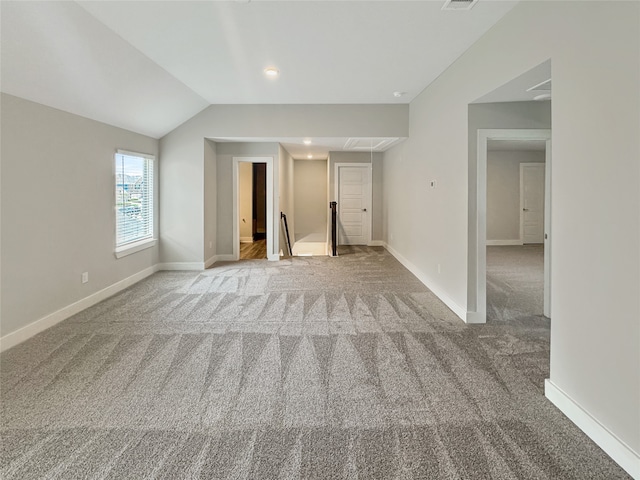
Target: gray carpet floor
312	367
515	283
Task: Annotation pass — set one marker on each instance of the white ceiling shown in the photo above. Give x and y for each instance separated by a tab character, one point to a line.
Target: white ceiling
148	66
523	88
320	147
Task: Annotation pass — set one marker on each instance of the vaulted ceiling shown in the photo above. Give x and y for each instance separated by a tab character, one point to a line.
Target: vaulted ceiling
149	66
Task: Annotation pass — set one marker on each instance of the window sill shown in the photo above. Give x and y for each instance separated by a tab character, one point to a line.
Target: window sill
130	248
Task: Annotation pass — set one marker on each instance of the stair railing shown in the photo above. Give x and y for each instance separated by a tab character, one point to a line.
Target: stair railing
286	229
334	228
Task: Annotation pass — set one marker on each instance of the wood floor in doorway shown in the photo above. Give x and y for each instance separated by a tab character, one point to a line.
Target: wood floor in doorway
253	251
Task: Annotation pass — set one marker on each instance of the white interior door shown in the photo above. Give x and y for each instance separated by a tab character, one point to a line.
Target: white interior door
354	209
532	180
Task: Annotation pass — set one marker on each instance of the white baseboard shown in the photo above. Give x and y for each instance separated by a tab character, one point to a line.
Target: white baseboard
246	239
210	261
619	451
28	331
504	242
476	318
229	257
376	243
181	266
448	301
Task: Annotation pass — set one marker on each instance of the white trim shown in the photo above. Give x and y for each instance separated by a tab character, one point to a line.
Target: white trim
129	248
548	164
376	243
504	242
369	194
475	318
480	288
218	258
28	331
448	301
273	205
210	261
246	239
181	266
129	153
619	451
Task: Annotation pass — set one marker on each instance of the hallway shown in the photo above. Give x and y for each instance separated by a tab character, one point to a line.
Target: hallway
254	251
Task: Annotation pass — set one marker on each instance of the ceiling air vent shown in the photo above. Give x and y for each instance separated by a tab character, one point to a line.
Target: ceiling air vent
542	86
369	144
458	4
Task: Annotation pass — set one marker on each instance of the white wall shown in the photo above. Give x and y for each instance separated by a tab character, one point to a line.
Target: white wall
182	189
310	195
287	201
245	200
503	192
58	210
595	343
376	184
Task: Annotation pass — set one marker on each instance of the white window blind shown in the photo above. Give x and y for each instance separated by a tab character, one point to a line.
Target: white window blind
134	197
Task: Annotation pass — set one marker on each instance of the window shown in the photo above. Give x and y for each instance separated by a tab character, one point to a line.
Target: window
134	202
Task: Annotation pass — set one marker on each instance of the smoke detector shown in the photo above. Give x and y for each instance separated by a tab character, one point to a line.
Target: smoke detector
458	4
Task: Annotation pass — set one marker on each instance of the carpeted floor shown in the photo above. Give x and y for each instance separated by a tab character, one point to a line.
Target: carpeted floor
515	283
313	367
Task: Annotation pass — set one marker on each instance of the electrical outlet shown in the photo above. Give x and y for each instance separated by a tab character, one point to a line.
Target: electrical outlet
210	244
85	277
439	268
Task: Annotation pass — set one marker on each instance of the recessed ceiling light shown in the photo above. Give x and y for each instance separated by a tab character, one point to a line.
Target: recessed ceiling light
271	72
307	142
399	94
309	156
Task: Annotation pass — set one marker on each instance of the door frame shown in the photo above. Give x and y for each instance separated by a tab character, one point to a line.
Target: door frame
530	164
479	283
368	194
272	207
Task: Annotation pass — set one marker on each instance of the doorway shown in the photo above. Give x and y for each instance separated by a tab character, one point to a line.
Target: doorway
253	208
484	136
252	211
259	201
515	229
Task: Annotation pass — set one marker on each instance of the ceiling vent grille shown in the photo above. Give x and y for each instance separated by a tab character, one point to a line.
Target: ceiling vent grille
458	4
369	144
542	86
